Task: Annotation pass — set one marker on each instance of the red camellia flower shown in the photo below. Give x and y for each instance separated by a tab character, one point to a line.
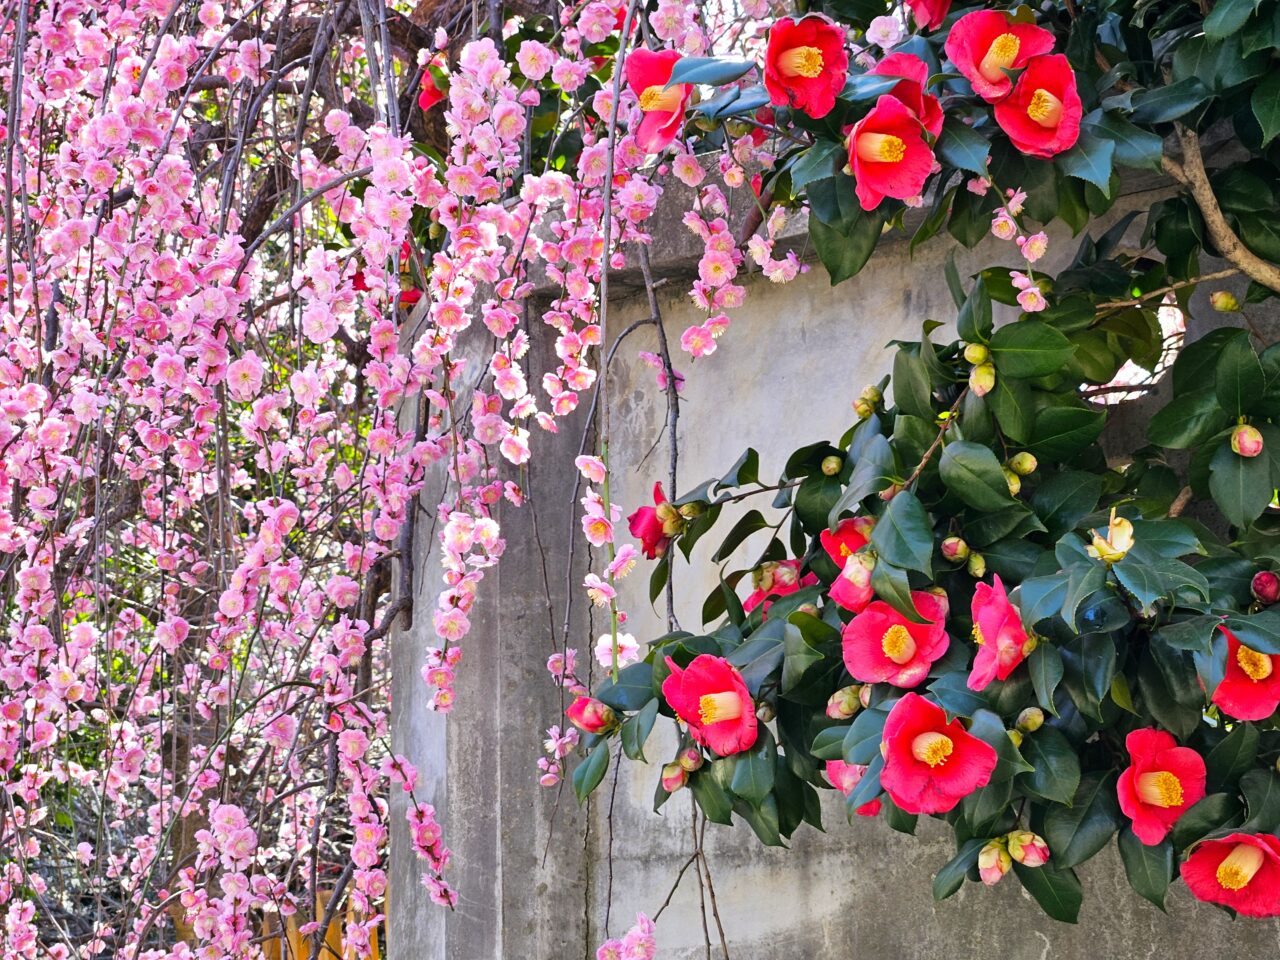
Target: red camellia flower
882	646
984	44
430	94
848	538
931	765
647	527
1161	782
887	153
1240	871
647	76
929	14
1042	114
844	777
1250	689
776	580
711	698
805	64
915	76
997	629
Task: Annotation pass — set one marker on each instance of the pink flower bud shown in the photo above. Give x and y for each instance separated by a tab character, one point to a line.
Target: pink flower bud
1224	301
1027	848
674	777
955	549
982	379
591	716
1265	587
993	862
844	703
690	759
1246	440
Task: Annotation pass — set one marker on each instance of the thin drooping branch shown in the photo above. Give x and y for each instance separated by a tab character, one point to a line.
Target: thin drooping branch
1191	174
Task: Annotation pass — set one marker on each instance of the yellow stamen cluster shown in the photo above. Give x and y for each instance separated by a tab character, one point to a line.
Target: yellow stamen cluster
714	707
1239	867
897	644
978	638
1000	56
658	98
1045	109
932	748
1256	666
881	148
800	62
1161	789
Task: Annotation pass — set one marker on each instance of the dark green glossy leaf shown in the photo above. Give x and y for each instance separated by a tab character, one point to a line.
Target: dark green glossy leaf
1150	869
1077	832
1234	755
1056	775
636	729
1058	892
590	771
972	472
951	877
904	535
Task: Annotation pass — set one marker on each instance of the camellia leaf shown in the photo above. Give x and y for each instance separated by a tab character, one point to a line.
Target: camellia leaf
1168	102
1029	348
1077	832
754	774
972	472
904	535
1241	486
1261	789
589	772
1228	16
1062	432
1232	757
1211	813
963	147
1090	160
713	71
846	252
1266	105
1056	775
636	729
974	323
1149	868
1238	376
1058	892
951	877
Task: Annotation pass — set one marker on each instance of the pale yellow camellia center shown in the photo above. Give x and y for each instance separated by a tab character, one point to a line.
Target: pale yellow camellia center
932	748
664	99
714	707
1000	56
1045	109
800	62
1256	666
1160	789
897	644
881	148
1239	867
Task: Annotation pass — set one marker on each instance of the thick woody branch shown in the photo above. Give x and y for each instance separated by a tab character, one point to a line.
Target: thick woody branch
1192	175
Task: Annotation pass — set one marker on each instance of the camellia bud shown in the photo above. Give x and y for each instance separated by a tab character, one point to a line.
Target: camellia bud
993	862
976	353
982	379
691	510
1265	587
1119	538
690	759
1013	480
1030	720
674	777
591	716
765	712
435	231
1027	848
705	124
831	465
955	549
1246	440
1016	737
863	409
871	393
977	566
844	703
1224	301
810	608
1023	464
864	695
737	128
891	491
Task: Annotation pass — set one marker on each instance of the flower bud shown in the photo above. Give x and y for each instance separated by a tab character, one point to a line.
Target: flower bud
831	465
1030	720
591	716
435	231
1265	587
844	703
976	353
1027	848
691	510
705	124
1013	480
690	759
1246	440
737	128
864	695
1117	542
871	393
977	566
1224	301
674	777
891	491
863	409
982	379
765	712
1023	464
955	549
810	608
1016	737
993	862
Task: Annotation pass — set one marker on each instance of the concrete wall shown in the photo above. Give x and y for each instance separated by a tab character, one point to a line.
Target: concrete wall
857	890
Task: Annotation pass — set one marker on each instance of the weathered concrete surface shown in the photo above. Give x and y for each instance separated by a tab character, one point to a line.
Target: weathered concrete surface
785	374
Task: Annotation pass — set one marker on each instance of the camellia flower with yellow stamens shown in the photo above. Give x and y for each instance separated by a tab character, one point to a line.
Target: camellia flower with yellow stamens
711	698
849	536
1161	782
1002	641
1042	114
930	765
984	44
805	64
1117	542
880	645
1250	688
888	155
1240	871
648	73
911	91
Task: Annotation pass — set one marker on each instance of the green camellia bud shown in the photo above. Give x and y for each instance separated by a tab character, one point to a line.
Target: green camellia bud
737	128
871	393
1224	301
977	566
1016	737
691	510
1030	720
831	466
435	231
1013	480
863	408
982	379
705	124
1023	464
976	353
